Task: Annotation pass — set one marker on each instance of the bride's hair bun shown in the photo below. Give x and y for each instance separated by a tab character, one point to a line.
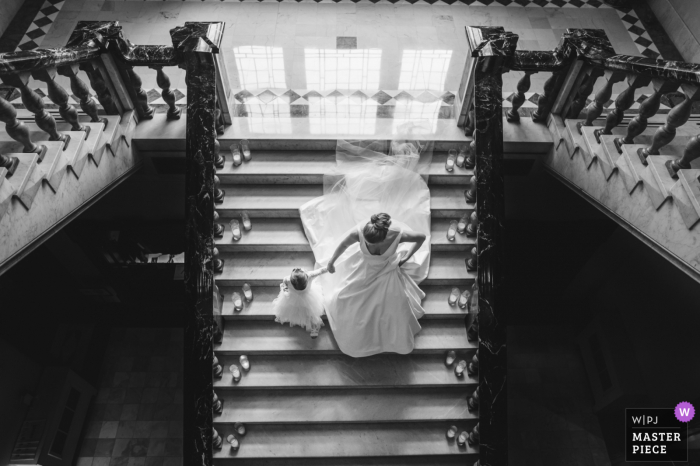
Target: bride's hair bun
375	231
381	221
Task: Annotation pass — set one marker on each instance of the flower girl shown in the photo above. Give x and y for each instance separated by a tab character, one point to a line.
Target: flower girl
300	301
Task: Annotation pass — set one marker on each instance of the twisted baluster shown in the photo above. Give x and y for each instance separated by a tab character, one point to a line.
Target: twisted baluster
99	85
144	110
15	128
163	82
35	104
691	152
546	100
583	92
523	86
647	109
678	116
595	108
60	97
81	91
623	102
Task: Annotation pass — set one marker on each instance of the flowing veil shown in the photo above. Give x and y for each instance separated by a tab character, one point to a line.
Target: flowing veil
372	177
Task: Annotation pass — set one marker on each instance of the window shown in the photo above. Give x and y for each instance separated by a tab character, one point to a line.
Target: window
424	69
260	67
328	69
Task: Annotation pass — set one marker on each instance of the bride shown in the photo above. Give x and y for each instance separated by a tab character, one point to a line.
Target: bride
371	294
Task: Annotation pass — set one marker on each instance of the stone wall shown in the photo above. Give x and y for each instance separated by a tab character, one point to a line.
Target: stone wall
681	20
8	9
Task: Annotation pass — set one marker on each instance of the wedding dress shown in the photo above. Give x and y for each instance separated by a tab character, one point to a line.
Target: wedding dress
372	304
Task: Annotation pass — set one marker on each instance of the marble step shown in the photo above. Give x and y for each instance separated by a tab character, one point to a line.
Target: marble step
657	181
338	371
344	405
221	457
630	166
7	190
686	196
268	268
275	234
260	308
347	444
24	184
284	200
308	167
263	337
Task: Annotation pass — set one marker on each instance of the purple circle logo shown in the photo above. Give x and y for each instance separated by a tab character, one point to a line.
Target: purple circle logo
684	411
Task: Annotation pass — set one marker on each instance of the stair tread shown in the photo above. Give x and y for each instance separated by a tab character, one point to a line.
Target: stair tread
334	441
341	405
434	303
268	268
312	165
275	234
258	199
309	370
427	460
257	337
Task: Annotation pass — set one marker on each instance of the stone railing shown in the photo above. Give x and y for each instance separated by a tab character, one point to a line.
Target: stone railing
109	62
581	58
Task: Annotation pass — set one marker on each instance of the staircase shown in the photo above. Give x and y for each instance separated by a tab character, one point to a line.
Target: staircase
54	184
304	402
661	210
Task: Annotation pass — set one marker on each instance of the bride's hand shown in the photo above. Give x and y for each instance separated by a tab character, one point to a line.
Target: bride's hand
331	268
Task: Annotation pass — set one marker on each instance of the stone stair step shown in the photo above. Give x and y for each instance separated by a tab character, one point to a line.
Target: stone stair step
260	308
686	196
343	405
381	370
284	200
610	155
308	167
26	180
268	268
657	181
55	165
221	457
331	444
265	337
273	234
630	166
6	192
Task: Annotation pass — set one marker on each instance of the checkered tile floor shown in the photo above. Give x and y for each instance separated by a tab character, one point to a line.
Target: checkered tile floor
639	35
136	419
41	25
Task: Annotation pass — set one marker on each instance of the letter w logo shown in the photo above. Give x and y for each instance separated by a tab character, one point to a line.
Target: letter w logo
684	411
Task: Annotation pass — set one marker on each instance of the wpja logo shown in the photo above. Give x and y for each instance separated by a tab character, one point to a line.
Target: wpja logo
658	434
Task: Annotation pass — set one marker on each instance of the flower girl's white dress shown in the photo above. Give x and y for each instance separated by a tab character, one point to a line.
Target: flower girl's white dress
300	307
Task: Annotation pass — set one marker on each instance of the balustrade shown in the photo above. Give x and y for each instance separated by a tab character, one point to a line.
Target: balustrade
18	131
595	108
163	82
623	102
35	104
519	99
647	109
589	78
60	97
678	116
81	91
546	100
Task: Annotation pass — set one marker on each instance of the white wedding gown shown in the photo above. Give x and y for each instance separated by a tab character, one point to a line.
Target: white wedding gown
373	305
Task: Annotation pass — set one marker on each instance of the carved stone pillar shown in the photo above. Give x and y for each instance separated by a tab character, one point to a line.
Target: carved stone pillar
195	51
491	48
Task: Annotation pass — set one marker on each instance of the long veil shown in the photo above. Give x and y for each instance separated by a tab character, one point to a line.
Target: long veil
372	177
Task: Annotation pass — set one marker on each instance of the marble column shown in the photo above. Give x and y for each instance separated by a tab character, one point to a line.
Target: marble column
491	48
195	47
